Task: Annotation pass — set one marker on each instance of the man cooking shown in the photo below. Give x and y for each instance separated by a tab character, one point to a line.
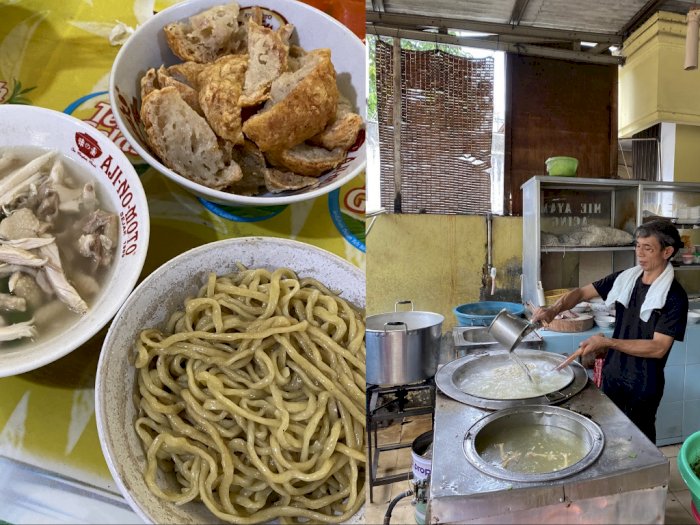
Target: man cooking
651	310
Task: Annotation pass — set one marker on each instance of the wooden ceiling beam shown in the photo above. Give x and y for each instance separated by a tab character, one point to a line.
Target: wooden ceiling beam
496	45
598	48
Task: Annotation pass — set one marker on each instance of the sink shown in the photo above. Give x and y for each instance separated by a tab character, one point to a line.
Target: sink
478	336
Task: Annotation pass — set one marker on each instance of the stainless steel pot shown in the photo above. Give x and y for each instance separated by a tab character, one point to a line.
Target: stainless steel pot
402	347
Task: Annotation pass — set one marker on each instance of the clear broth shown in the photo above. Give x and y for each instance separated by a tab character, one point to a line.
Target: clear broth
535	449
73	263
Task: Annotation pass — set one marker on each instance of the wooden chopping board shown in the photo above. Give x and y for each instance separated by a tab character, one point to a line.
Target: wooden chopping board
580	324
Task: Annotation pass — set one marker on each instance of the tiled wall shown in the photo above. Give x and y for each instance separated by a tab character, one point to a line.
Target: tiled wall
679	413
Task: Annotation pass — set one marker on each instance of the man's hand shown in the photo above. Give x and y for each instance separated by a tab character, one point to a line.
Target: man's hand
544	314
594	344
567	302
591	345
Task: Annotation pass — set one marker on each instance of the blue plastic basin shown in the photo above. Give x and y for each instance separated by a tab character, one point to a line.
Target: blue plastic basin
482	313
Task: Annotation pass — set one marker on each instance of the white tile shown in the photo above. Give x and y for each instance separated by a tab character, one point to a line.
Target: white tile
685	499
404	460
381	495
387	462
676	484
401	486
410	430
675	513
404	513
390	434
374	512
670	451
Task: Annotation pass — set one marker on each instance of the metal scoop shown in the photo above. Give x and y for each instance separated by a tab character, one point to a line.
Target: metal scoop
509	330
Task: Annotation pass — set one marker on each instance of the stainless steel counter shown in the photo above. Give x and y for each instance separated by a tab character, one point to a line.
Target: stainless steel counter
627	484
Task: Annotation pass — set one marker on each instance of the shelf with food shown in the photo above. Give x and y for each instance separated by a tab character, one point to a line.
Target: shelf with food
683	224
585	227
683	266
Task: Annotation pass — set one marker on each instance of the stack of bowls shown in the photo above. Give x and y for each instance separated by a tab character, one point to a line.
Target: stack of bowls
604	321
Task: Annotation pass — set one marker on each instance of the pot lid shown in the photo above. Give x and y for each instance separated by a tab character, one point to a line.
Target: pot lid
413	320
491	379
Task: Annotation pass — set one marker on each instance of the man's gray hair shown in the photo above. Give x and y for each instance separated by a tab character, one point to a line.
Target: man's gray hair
666	233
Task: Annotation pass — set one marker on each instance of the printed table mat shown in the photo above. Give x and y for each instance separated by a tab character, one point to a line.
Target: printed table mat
58	55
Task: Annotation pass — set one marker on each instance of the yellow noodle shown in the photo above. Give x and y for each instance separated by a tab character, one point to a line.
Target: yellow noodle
252	400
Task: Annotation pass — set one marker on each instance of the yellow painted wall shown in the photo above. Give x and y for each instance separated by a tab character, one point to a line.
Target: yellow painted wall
653	86
687	154
638	83
438	261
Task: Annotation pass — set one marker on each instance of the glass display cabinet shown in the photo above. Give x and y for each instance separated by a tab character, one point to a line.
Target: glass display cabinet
577	230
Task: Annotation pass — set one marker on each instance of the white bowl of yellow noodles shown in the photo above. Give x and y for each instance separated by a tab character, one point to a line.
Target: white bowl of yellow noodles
247	405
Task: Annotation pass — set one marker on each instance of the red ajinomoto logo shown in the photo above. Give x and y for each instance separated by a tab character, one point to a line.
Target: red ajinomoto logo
87	145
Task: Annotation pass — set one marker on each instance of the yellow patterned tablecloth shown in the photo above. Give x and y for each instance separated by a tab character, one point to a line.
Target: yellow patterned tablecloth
57	54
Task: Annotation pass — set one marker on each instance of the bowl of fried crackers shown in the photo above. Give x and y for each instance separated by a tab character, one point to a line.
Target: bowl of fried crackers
244	104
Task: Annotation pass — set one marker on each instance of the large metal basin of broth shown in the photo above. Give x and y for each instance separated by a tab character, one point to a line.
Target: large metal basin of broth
498	376
533	449
533	443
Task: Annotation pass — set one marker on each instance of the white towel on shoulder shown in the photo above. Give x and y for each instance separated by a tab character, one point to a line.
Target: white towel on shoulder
656	296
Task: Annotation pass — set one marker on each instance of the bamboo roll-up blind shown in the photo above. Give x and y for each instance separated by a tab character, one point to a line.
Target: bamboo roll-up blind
445	131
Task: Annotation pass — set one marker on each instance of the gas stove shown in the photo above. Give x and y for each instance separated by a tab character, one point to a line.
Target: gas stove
388	405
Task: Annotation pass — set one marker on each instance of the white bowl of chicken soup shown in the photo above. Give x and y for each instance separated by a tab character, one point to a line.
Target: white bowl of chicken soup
74	230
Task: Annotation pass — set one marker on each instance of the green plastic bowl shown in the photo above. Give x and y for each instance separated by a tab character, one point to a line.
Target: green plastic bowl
561	166
689	457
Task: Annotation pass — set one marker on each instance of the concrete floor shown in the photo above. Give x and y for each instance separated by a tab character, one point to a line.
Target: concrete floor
677	502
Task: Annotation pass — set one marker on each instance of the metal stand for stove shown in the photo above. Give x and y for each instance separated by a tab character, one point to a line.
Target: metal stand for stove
379	414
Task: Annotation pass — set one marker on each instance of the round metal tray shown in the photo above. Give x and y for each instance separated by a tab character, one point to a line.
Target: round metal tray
498	424
448	382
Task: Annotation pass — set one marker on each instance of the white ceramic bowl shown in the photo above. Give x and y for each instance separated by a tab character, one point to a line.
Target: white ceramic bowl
604	321
693	316
581	308
87	147
150	305
599	308
147	48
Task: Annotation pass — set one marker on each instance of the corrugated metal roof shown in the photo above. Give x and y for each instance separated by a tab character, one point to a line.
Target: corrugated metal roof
594	16
482	10
526	24
600	16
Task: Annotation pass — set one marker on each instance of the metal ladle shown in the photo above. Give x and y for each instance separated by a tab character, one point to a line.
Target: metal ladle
509	331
